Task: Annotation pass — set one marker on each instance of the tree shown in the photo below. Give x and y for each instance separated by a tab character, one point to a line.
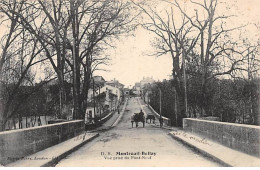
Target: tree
214	44
22	53
100	23
19	54
173	39
201	47
73	35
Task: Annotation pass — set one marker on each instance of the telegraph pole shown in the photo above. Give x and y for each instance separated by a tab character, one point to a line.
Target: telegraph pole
160	103
99	100
94	97
185	84
75	65
160	120
175	107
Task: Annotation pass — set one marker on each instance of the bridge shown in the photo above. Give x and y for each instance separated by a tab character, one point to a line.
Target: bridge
116	143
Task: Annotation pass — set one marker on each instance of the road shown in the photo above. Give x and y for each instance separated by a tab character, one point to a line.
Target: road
127	146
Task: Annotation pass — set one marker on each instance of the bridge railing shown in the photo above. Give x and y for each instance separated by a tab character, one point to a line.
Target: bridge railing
166	120
16	144
245	138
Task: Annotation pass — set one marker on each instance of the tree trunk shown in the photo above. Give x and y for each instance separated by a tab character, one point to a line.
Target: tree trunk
175	108
26	123
1	126
180	102
14	122
181	106
1	113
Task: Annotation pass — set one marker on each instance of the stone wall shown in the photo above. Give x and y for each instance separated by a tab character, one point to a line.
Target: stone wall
245	138
16	144
166	121
210	118
32	121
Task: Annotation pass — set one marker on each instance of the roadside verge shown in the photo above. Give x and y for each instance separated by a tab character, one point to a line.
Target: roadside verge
121	115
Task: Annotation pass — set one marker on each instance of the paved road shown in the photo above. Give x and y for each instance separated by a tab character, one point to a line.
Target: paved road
127	146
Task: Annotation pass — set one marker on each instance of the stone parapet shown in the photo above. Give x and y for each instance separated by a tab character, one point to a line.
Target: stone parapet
17	144
245	138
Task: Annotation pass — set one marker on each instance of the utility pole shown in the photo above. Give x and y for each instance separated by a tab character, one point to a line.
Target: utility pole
175	107
160	120
250	78
75	67
185	84
99	100
219	91
160	103
94	97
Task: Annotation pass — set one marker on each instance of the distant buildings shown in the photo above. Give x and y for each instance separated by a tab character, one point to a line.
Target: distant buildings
137	89
115	83
141	87
104	99
126	91
99	81
43	103
146	81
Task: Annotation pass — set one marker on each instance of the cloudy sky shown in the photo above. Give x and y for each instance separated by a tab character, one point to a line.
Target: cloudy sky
130	62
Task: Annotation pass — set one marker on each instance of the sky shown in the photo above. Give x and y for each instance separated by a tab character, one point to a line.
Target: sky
130	62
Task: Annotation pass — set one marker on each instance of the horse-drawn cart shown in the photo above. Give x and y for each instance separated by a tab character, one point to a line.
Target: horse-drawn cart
137	117
151	117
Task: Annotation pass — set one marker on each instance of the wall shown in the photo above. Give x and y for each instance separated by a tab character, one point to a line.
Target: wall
211	118
30	121
104	119
16	144
245	138
166	121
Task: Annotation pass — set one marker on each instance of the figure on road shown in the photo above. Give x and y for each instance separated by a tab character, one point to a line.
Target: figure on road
138	117
39	121
141	113
161	121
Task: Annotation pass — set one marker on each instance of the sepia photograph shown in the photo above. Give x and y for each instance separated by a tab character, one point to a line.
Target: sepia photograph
129	83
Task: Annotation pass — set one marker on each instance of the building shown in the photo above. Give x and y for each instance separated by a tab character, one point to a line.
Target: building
115	83
137	89
99	81
141	87
90	95
112	90
146	81
93	111
106	100
126	91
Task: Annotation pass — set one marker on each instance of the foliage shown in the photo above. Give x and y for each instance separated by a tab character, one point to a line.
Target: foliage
230	100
